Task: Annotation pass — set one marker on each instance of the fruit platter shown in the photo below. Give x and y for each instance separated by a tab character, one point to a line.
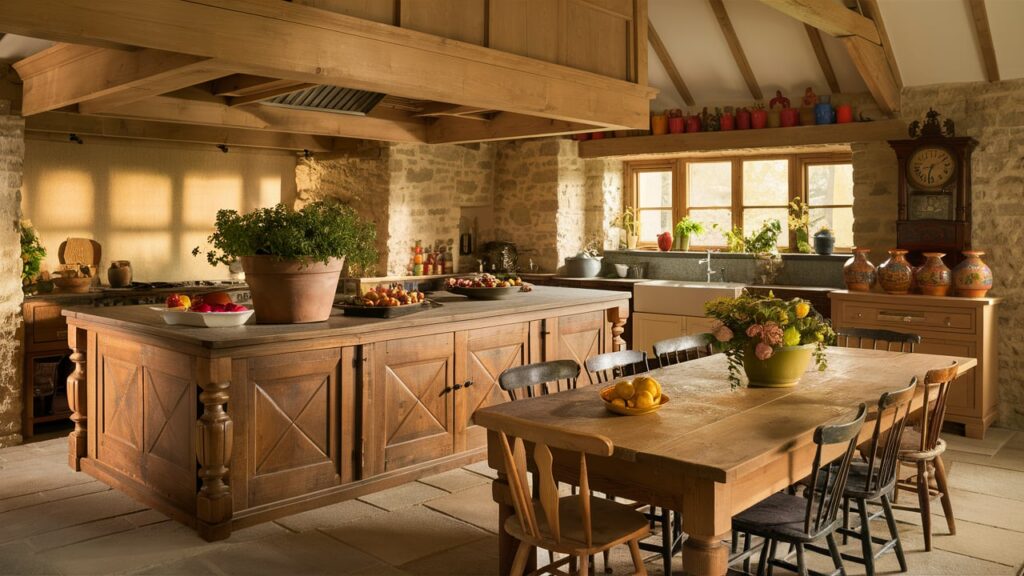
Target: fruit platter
385	302
213	310
486	287
635	396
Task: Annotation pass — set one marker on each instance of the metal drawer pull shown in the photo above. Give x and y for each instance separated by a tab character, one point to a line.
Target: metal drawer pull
949	321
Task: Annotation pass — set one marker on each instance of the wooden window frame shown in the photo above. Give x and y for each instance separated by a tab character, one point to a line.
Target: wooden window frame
821	160
679	167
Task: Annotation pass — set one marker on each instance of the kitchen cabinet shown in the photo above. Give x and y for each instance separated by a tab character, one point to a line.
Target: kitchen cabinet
947	325
649	328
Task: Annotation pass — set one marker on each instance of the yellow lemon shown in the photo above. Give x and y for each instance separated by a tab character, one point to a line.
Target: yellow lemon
644	400
186	302
624	389
802	309
647	384
619	402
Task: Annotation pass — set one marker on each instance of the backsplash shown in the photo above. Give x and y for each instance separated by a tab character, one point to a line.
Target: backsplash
797	270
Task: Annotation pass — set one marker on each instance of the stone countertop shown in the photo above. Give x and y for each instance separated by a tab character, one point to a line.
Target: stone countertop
97	293
453	308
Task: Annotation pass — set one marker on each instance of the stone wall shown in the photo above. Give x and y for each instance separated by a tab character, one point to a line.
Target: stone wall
12	154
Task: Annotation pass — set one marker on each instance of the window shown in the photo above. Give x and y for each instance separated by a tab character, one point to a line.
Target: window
742	192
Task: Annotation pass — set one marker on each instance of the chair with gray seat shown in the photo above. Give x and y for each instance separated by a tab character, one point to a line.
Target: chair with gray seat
539	378
683	349
877	339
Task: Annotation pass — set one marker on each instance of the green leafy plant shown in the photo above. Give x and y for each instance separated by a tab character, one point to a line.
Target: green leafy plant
32	253
823	231
629	221
763	325
317	232
765	240
799	220
689	227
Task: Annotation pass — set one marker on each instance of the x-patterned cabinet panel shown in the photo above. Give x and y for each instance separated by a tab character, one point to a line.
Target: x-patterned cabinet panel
409	402
575	337
488	353
291	446
147	413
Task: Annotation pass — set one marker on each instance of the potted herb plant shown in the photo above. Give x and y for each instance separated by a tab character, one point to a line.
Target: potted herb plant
629	222
292	258
799	220
32	255
686	228
824	241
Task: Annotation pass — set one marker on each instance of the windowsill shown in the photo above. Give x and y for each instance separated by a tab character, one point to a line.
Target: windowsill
836	257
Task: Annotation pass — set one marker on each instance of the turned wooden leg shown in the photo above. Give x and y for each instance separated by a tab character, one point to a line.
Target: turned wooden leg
214	439
947	504
519	562
638	561
924	500
78	399
705	556
618	316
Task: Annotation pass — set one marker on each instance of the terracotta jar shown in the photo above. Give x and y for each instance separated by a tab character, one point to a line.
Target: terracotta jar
693	123
758	118
933	277
743	119
659	124
807	116
895	275
727	122
858	272
676	125
972	277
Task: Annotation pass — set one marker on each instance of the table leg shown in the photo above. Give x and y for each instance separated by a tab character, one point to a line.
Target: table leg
704	556
78	399
707	521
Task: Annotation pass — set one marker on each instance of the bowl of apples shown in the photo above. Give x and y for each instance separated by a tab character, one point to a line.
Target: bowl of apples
213	310
385	302
486	287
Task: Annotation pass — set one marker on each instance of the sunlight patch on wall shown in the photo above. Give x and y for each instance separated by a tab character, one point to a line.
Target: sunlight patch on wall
63	199
205	194
150	253
139	200
270	192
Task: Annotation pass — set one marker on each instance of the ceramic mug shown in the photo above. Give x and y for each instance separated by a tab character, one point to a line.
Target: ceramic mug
824	113
844	114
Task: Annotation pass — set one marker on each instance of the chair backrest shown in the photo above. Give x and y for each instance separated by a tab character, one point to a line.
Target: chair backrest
828	479
884	446
683	349
877	339
936	386
539	378
612	365
514	432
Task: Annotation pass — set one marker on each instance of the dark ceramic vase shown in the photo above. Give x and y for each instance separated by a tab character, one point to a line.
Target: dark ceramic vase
824	244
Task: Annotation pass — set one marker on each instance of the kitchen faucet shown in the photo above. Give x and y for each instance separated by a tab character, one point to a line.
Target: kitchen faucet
707	261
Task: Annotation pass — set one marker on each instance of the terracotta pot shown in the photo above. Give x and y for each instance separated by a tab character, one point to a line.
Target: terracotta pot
743	119
844	114
290	291
782	370
858	272
597	135
119	275
774	119
972	277
676	125
807	116
933	278
789	117
693	123
659	124
758	118
727	122
895	275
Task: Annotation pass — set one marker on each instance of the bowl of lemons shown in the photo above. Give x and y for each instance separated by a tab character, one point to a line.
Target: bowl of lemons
632	397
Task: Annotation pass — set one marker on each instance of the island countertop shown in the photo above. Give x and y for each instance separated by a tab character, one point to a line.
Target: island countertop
452	308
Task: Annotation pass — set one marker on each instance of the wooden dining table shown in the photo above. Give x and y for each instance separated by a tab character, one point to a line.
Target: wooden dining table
712	451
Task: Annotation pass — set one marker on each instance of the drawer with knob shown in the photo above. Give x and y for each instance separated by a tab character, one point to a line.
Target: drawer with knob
895	317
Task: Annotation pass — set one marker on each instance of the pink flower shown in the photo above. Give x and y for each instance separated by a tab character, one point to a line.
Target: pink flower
722	333
771	333
754	330
763	351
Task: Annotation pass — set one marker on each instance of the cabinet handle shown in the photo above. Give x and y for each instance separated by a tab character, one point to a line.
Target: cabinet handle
446	390
457	387
467	383
949	321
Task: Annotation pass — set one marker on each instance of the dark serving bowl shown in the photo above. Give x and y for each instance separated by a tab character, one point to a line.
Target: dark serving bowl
486	293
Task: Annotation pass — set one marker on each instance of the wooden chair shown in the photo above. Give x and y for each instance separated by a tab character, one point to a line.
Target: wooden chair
875	479
541	378
580	525
922	448
891	341
683	349
614	365
802	520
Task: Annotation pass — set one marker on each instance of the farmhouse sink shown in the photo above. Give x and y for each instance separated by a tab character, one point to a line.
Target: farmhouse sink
680	297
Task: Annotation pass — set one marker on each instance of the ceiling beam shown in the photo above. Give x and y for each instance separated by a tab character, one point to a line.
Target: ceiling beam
830	17
504	126
988	50
869	59
246	85
736	48
271	93
669	65
304	44
66	123
819	52
68	74
393	127
870	9
437	109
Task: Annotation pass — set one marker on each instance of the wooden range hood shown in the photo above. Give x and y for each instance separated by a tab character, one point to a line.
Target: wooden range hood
202	71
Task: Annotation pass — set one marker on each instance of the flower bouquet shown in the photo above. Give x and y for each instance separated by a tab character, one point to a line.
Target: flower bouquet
757	332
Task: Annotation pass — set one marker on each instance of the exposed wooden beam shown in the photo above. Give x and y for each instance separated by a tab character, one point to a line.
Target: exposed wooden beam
68	74
504	126
819	52
736	48
874	69
988	50
870	9
258	96
830	17
384	125
670	66
69	123
435	109
263	38
246	85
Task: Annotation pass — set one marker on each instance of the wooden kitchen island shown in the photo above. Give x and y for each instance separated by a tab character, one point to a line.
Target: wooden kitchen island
224	428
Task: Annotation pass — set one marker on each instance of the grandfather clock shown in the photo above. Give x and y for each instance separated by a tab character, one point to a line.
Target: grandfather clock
934	190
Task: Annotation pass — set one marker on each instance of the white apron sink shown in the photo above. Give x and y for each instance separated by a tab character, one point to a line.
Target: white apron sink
681	297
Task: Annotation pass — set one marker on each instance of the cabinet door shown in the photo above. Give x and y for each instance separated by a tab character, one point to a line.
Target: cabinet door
410	403
575	337
699	324
650	328
962	394
481	356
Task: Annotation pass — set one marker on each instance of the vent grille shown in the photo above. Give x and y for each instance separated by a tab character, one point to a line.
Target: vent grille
329	99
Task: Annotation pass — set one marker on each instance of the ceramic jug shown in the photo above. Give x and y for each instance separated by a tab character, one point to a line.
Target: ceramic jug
895	275
972	277
858	272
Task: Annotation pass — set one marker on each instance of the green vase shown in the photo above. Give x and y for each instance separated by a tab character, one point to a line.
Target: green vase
783	370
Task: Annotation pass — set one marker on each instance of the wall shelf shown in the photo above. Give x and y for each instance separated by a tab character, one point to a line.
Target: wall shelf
739	139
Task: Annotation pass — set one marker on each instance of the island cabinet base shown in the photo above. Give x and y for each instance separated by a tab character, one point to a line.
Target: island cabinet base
224	437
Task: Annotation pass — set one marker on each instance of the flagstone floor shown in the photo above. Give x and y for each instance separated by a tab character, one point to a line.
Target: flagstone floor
55	521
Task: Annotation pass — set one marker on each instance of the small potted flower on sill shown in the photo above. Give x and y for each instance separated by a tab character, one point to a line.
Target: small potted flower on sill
686	228
824	241
629	222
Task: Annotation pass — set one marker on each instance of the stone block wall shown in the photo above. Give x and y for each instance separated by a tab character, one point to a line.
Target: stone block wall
12	155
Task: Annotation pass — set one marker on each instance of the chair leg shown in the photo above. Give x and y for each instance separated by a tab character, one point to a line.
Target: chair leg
801	564
846	519
584	567
771	559
837	558
947	504
746	547
762	560
519	561
638	562
866	546
923	498
894	532
666	540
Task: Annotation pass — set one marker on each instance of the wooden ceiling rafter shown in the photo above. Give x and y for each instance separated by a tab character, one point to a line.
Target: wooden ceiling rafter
273	92
979	13
870	9
669	65
503	126
731	38
814	35
439	109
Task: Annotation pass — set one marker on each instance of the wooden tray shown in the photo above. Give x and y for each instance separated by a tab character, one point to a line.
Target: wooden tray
485	293
382	311
608	391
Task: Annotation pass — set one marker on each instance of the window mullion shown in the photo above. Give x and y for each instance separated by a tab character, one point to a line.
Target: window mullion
737	194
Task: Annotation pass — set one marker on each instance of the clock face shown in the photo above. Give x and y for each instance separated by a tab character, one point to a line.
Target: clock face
931	168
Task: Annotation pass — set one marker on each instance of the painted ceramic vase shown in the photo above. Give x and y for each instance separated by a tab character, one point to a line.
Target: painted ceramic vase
933	277
895	275
858	272
972	277
659	124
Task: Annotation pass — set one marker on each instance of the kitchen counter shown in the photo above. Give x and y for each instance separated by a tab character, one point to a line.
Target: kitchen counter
284	418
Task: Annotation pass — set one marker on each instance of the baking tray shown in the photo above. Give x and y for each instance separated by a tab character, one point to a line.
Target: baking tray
485	293
384	311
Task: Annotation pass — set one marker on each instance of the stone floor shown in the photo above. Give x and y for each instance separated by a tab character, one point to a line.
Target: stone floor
54	521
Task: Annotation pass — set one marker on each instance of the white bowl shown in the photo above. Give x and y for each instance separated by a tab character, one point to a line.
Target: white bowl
174	317
622	270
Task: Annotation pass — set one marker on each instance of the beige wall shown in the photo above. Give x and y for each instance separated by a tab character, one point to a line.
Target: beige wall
150	203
